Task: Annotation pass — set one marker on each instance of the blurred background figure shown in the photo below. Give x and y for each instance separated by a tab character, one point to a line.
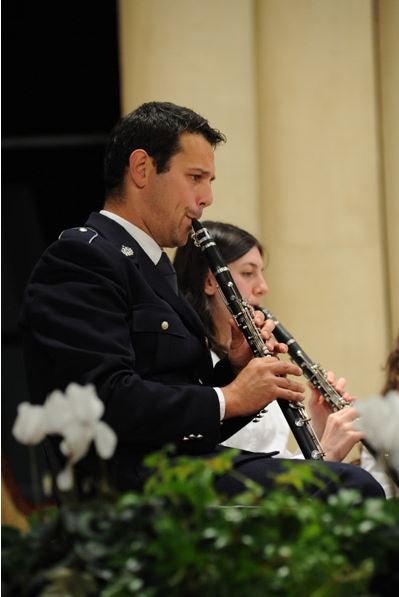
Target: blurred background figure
367	461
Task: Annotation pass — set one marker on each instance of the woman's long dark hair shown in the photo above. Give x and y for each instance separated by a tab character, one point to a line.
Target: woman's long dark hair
392	370
192	267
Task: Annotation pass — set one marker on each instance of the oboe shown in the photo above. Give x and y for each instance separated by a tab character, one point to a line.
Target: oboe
242	312
313	371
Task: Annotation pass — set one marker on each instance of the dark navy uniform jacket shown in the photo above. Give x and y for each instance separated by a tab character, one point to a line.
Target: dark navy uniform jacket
98	311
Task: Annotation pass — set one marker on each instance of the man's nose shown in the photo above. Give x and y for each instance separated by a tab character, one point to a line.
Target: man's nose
206	198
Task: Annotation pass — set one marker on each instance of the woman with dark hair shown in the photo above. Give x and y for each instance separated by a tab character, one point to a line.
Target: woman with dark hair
199	285
244	255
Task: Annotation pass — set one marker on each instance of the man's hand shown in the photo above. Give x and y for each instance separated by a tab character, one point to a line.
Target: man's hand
259	383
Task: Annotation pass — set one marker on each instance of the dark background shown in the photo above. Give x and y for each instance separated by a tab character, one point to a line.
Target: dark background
60	84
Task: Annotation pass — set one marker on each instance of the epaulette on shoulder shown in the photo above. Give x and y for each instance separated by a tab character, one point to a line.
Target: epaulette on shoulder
80	233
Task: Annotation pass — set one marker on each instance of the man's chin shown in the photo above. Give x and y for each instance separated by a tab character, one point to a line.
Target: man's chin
183	237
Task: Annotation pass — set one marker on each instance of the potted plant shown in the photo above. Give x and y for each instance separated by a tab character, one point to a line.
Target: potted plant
181	538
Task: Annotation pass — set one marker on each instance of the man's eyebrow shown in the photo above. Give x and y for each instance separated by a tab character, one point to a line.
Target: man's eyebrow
202	171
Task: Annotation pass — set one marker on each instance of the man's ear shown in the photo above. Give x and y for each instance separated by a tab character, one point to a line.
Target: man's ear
210	285
140	165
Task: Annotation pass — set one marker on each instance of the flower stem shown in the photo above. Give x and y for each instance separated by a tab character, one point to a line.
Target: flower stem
36	483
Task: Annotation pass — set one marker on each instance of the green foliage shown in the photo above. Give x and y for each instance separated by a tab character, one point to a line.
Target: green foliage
180	538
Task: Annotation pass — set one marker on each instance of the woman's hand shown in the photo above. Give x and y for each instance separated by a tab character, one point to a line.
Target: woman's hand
317	406
340	435
335	429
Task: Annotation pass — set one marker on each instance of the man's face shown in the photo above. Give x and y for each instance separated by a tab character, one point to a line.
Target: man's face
178	196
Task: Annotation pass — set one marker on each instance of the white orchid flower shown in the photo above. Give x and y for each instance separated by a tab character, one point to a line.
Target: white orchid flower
84	425
29	427
75	415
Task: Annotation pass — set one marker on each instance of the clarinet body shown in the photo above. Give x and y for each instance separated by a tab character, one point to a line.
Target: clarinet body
311	370
242	312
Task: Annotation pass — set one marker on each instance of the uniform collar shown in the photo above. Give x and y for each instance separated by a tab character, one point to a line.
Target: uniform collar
148	244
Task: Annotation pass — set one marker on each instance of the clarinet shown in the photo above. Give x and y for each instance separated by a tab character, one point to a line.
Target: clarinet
242	312
313	371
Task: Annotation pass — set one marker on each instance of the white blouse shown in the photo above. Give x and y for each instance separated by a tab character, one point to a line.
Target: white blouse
370	464
268	434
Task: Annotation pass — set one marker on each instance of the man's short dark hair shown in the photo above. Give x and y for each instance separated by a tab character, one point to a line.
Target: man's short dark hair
155	127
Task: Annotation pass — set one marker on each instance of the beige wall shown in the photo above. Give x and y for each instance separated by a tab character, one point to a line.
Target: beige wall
320	181
305	91
388	35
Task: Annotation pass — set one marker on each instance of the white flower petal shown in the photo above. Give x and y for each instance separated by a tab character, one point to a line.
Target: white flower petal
77	439
75	389
29	427
105	440
84	402
65	479
58	412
